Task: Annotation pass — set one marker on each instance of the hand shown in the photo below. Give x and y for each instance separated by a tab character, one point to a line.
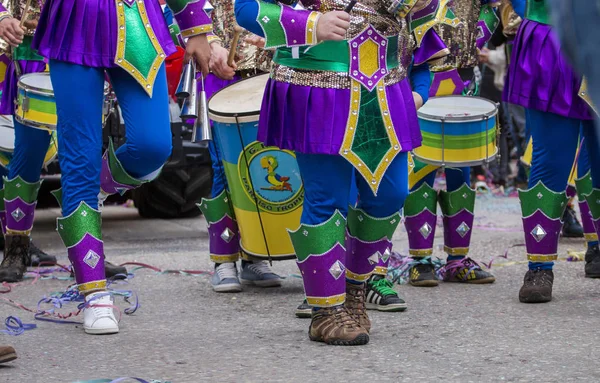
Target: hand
484	56
11	31
218	62
333	26
30	24
198	47
255	40
418	100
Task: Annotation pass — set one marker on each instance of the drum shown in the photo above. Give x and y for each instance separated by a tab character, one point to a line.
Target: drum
36	106
457	131
264	182
7	142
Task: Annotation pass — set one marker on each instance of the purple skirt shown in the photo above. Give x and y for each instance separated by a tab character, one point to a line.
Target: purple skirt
84	32
540	77
9	87
313	120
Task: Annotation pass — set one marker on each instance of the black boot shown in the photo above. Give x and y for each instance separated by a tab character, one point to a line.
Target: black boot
113	271
592	262
537	286
571	226
39	257
16	258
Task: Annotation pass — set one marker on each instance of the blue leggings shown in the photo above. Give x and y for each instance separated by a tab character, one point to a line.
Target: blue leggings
328	187
555	140
31	146
219	181
79	92
455	178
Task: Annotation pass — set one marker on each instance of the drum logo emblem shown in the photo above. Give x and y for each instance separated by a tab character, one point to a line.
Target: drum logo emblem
272	177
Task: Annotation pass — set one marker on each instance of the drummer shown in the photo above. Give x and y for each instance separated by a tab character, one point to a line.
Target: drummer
478	22
22	181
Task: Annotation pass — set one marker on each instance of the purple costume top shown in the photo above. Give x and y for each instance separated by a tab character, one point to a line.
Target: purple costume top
539	76
131	34
350	98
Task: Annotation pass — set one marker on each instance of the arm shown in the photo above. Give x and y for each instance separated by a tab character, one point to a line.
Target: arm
10	28
488	22
190	16
420	81
280	25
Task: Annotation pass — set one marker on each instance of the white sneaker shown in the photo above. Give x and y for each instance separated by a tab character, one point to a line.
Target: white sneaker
98	319
225	279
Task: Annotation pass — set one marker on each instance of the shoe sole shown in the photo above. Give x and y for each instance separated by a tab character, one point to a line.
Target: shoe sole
426	283
267	283
572	235
360	340
387	308
230	288
304	313
592	275
8	357
101	331
475	281
535	298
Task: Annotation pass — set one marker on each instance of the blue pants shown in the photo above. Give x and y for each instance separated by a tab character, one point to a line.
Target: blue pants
328	187
79	92
31	146
455	178
219	181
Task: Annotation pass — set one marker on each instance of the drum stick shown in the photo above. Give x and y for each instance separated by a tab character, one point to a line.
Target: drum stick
23	17
25	12
351	5
237	30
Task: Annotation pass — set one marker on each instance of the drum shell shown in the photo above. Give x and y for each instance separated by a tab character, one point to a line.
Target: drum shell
280	210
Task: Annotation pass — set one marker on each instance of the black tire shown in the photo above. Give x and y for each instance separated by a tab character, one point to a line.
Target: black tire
174	193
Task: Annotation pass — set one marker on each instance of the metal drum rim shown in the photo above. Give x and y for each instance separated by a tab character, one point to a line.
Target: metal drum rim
481	117
456	163
224	117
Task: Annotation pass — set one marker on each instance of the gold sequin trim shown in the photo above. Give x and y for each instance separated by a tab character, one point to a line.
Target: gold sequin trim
372	178
357	277
379	270
92	286
18	232
542	258
326	79
224	258
213	38
327	301
421	253
147	83
200	29
456	250
591	236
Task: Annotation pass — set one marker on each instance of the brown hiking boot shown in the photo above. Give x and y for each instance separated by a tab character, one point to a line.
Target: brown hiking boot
537	286
355	303
7	354
16	258
335	326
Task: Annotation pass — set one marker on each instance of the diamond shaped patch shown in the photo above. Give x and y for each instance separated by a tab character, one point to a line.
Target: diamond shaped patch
538	233
18	214
463	229
374	258
227	235
337	269
91	259
386	255
425	230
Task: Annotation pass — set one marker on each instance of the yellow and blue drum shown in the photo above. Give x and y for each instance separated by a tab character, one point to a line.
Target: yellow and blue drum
7	142
457	131
264	182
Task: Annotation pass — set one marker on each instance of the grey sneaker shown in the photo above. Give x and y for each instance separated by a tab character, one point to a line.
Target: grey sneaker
260	274
225	279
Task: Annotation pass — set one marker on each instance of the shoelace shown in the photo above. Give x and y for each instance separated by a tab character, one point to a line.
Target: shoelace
260	268
343	317
383	287
226	271
454	267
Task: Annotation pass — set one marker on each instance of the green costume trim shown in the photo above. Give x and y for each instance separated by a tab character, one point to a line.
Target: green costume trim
453	202
593	200
175	31
330	56
423	198
57	194
117	171
537	11
268	18
84	220
19	188
489	17
584	186
25	52
539	197
370	229
319	239
216	208
441	15
177	6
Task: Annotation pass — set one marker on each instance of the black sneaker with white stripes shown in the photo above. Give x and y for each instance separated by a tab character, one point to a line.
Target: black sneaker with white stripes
382	297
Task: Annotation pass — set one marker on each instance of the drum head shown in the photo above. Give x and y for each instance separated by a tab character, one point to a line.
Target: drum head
7	134
37	81
457	109
243	98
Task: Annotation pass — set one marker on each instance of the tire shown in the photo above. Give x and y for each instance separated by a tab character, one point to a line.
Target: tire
174	193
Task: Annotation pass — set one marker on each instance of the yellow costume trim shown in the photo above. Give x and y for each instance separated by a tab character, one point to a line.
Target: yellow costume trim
456	250
357	277
147	83
200	29
591	237
327	301
421	253
583	93
311	28
542	258
91	286
224	258
379	270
